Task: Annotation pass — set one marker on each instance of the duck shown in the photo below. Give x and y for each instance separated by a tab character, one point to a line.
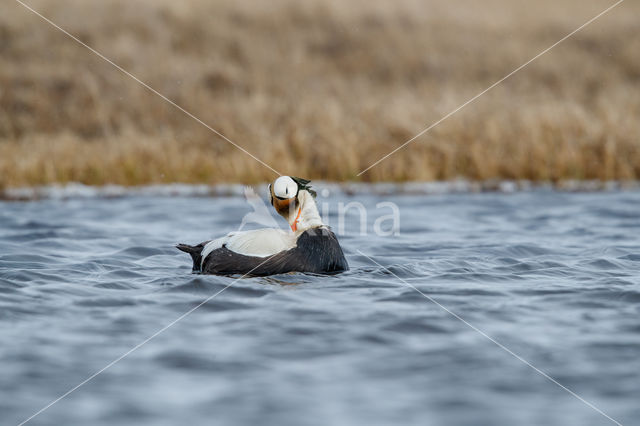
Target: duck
309	247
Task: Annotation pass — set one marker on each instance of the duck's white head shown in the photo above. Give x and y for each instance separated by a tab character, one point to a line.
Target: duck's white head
293	199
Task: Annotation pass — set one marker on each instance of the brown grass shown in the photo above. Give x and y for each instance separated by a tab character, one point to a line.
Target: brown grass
319	89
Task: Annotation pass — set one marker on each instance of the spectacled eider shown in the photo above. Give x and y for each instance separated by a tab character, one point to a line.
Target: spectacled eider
310	247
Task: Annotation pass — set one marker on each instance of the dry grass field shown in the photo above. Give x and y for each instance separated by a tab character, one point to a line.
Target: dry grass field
320	88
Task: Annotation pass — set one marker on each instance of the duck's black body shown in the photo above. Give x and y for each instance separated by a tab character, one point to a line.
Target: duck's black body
316	251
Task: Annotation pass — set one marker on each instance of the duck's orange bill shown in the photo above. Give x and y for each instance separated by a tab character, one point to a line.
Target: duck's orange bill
294	225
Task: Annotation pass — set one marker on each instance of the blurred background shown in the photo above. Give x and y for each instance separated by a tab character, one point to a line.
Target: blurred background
321	89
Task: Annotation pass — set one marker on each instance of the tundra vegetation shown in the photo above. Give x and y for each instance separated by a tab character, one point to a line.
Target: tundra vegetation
320	89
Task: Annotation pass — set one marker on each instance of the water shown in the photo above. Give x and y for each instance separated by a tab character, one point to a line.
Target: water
552	276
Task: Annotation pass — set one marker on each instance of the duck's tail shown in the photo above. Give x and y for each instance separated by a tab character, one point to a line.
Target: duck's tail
194	252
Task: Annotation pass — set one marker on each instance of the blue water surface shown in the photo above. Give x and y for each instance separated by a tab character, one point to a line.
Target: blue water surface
554	277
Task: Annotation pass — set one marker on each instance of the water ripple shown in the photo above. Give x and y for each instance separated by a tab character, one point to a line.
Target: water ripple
553	276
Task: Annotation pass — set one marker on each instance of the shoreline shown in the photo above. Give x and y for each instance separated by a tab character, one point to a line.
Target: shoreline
78	191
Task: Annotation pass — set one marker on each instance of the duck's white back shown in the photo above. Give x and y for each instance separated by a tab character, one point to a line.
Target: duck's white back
258	243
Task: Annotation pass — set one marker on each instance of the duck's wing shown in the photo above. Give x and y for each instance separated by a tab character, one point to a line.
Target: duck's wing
260	242
256	243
